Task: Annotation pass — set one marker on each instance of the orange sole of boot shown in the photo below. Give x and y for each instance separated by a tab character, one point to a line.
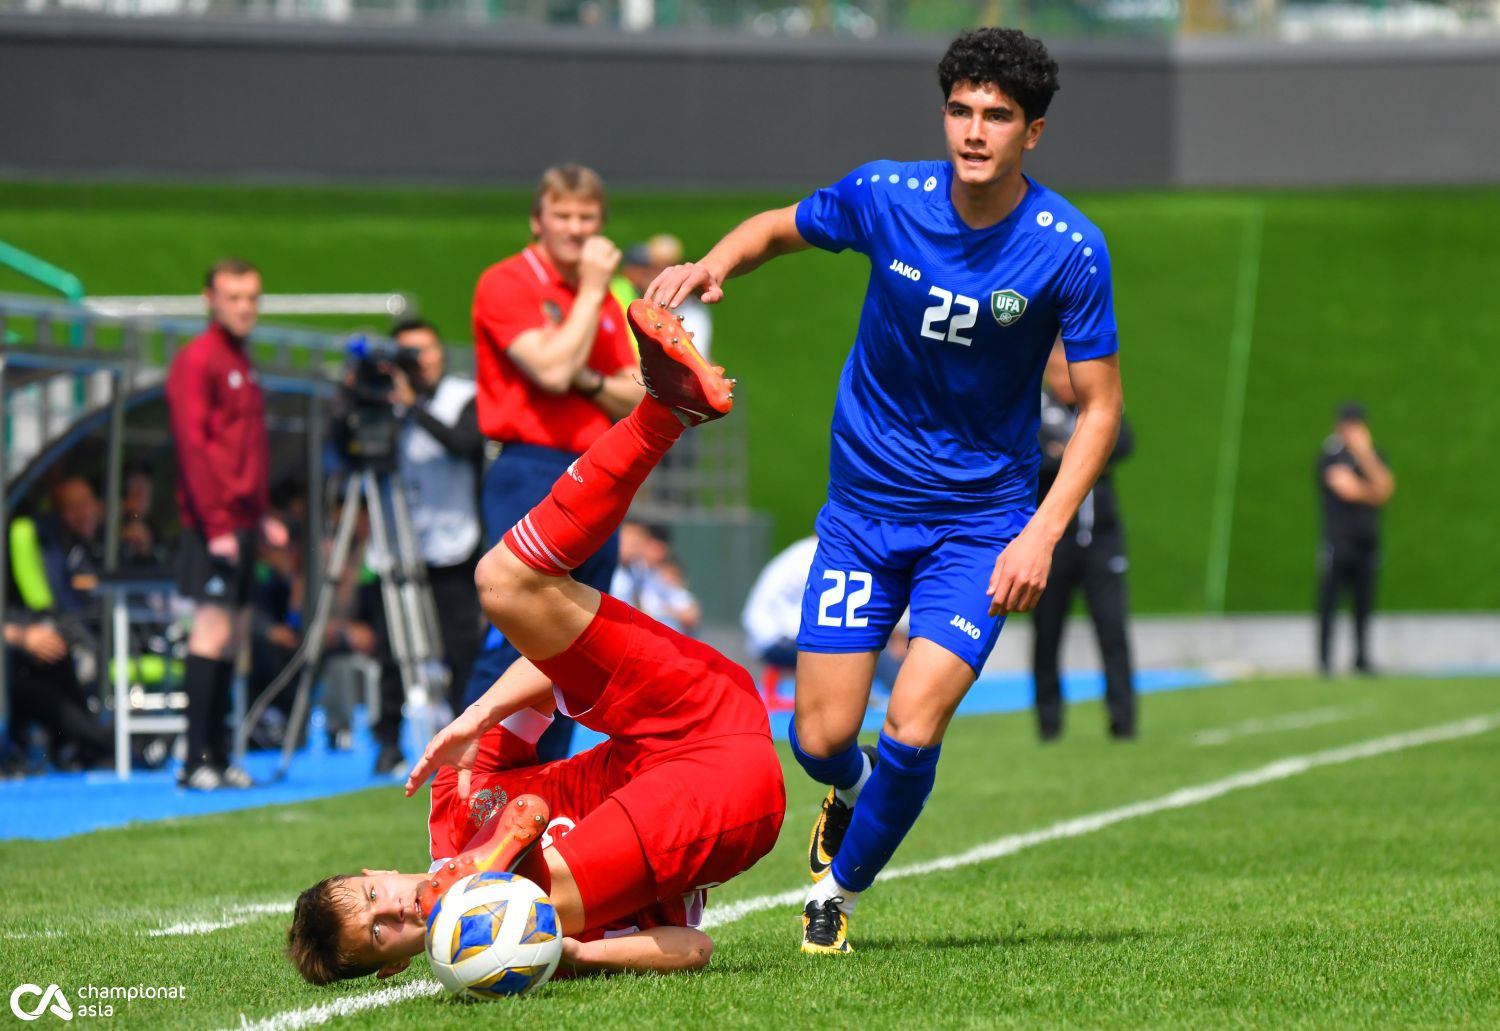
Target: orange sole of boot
514	831
655	326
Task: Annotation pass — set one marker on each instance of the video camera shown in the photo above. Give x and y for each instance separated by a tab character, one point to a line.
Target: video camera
365	427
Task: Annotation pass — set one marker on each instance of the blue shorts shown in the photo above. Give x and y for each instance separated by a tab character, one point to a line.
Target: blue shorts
867	571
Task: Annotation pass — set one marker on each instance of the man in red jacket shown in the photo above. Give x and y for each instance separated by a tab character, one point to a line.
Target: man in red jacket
219	430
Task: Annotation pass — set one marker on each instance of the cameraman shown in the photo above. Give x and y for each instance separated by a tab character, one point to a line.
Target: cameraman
438	453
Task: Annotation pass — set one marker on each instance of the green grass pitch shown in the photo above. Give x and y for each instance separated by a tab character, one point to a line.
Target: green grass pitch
1351	894
1388	296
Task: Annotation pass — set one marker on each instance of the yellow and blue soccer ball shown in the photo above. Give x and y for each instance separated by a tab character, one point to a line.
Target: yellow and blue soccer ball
493	934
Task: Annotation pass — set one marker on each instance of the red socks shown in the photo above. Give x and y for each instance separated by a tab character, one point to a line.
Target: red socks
589	501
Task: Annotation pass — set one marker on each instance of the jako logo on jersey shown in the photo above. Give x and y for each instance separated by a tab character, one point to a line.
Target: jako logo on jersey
53	997
573	472
964	625
901	268
1007	306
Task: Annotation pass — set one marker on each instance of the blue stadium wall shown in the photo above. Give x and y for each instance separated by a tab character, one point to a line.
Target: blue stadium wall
152	99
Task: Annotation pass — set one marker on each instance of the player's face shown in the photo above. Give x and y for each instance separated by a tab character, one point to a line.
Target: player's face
563	225
987	133
234	301
384	926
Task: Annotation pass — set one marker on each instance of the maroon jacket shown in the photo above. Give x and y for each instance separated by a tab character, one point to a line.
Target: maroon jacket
219	428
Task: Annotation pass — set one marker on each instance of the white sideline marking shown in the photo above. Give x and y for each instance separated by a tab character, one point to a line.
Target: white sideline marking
1287	721
1008	845
1179	799
233	917
344	1007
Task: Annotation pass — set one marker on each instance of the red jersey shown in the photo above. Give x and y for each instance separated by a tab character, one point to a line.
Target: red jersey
689	759
573	788
525	292
218	419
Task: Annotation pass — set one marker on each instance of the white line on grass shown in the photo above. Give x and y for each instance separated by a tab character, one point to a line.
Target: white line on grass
232	917
1180	799
1287	721
1008	845
347	1006
1237	374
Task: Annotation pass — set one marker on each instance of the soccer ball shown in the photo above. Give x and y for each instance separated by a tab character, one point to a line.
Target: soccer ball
493	934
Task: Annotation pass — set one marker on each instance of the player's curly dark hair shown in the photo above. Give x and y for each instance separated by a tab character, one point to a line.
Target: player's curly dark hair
1012	60
314	942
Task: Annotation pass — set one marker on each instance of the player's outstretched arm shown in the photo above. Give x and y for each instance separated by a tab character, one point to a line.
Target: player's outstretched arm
665	950
748	245
1022	569
457	744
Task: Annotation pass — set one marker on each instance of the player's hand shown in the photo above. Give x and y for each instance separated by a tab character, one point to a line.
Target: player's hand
274	531
1020	574
43	642
225	546
1357	436
677	283
597	263
403	394
456	745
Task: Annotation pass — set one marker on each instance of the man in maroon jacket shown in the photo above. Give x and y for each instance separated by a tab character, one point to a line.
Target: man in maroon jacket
219	429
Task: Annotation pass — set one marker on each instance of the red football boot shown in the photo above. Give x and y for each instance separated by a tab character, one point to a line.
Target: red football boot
509	836
673	370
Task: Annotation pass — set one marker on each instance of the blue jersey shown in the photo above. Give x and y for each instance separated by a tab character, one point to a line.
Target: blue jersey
938	403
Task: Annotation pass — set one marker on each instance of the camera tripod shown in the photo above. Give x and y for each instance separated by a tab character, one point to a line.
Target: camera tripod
406	598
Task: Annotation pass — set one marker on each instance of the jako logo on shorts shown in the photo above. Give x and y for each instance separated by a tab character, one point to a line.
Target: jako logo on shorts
964	625
53	997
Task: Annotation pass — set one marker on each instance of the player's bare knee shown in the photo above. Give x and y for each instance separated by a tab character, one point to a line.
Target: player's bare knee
917	732
504	583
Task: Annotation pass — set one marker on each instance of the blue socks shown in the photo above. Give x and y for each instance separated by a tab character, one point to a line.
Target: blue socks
889	804
840	771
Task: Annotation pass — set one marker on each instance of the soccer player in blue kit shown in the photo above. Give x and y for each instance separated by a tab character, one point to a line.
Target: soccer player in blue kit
975	271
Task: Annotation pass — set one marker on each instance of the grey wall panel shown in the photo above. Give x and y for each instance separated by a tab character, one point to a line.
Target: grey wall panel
102	97
1387	115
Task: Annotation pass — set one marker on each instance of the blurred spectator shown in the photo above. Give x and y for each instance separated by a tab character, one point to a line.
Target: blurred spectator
218	423
55	561
45	691
1355	484
139	542
773	611
555	370
773	615
650	579
440	451
276	607
1090	555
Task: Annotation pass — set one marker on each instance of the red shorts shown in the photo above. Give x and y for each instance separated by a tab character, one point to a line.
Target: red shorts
689	760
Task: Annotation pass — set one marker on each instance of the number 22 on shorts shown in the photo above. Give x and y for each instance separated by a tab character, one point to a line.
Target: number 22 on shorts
852	589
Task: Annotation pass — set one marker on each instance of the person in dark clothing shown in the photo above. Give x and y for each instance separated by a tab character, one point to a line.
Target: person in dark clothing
219	432
1091	555
1355	484
55	559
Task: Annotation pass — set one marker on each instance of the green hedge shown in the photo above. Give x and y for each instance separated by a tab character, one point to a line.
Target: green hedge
1390	297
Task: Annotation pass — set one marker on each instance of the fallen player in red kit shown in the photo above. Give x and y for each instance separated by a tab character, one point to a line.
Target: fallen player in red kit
626	837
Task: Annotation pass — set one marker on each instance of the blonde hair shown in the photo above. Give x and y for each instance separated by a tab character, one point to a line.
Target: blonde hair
568	181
